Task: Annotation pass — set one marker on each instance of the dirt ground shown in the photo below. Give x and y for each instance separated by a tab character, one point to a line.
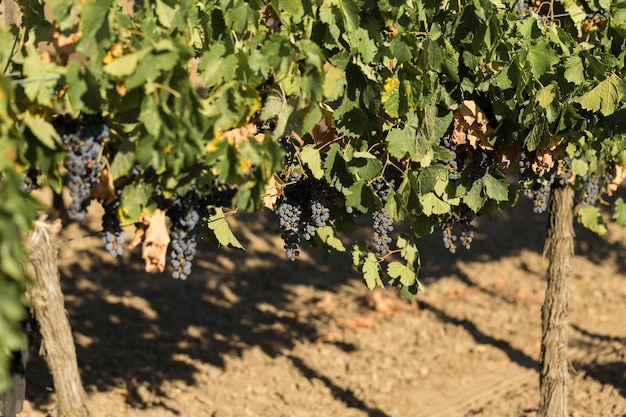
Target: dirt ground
252	334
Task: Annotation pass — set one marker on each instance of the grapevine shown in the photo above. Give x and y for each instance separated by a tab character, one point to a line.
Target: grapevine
212	105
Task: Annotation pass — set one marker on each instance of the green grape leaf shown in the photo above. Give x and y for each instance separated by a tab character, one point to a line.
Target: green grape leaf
328	237
367	263
135	198
429	177
362	197
541	58
536	135
407	140
361	42
591	218
431	204
403	273
216	229
125	65
546	95
42	130
371	272
424	225
474	198
580	167
496	189
311	158
605	97
620	212
93	25
408	250
574	70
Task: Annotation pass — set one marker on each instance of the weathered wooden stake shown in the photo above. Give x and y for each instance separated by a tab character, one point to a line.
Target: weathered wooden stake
47	300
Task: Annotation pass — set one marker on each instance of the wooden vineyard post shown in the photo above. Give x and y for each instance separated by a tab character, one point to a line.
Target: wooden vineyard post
47	300
553	358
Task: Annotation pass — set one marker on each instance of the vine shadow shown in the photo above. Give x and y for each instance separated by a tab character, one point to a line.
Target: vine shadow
234	301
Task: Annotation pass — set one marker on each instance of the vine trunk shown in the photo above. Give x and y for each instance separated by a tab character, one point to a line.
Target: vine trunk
553	358
56	333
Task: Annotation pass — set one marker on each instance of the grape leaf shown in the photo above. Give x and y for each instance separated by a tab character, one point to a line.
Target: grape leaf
546	95
365	261
574	70
431	204
371	272
42	130
536	134
541	57
391	96
496	189
605	97
591	218
362	197
620	212
311	158
327	235
402	272
474	198
216	229
125	65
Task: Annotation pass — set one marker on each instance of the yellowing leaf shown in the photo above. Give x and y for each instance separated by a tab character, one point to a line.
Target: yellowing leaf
391	96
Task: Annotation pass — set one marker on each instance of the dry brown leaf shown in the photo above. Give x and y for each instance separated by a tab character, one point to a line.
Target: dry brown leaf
105	189
619	175
274	189
60	49
507	157
239	134
544	161
471	126
152	230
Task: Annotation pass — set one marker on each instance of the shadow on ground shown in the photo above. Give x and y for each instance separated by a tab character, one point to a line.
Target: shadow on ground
134	327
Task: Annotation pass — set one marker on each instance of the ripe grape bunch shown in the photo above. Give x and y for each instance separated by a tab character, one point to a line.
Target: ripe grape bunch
301	210
594	185
31	179
383	223
452	165
464	220
186	214
540	193
113	235
83	141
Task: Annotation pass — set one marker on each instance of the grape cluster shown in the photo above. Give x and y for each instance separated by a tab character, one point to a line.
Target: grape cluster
462	220
113	235
302	209
593	187
83	143
522	8
383	223
525	164
452	165
540	193
31	179
483	162
186	214
289	216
